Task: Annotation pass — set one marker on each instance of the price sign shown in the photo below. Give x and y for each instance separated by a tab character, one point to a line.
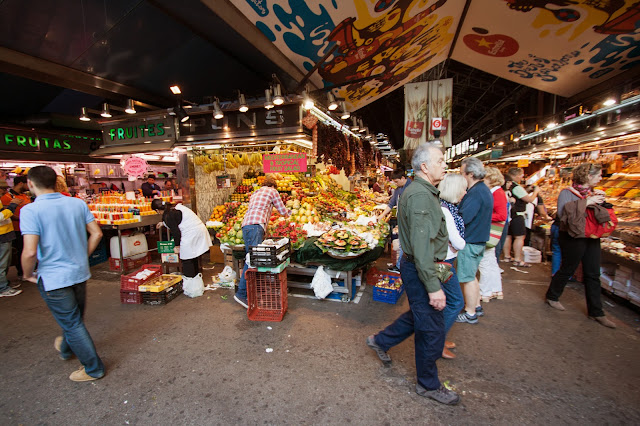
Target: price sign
135	166
523	162
436	123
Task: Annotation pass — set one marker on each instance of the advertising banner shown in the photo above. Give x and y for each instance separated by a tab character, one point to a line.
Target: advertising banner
440	106
416	98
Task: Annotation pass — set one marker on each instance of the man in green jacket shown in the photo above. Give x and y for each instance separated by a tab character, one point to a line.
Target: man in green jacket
424	239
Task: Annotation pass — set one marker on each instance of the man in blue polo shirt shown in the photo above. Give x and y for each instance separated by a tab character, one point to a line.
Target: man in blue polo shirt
402	182
55	233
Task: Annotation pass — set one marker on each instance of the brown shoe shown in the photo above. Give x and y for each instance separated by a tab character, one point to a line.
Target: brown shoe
604	321
447	354
449	345
80	375
555	304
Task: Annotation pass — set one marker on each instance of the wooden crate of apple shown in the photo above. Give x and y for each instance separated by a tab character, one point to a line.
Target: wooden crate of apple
343	241
282	227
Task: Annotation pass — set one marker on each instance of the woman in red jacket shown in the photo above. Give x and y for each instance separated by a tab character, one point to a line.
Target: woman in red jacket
490	278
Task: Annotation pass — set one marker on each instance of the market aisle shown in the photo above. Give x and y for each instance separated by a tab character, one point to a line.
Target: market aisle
201	361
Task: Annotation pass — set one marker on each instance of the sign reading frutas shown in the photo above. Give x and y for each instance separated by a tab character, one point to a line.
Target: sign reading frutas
35	141
285	163
139	131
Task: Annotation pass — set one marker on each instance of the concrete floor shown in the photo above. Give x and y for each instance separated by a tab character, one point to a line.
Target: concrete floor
200	361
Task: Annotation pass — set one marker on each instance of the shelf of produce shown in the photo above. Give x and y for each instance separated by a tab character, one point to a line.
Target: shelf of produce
613	258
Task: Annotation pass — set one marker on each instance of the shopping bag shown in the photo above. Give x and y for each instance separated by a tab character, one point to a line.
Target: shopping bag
193	287
321	283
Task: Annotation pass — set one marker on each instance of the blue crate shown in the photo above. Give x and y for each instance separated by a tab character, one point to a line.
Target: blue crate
99	255
388	295
341	283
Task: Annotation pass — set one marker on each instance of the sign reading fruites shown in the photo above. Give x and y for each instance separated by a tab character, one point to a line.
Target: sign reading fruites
285	163
133	132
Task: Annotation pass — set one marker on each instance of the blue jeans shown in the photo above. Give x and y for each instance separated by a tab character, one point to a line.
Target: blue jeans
556	252
424	321
400	253
67	306
5	261
252	235
455	299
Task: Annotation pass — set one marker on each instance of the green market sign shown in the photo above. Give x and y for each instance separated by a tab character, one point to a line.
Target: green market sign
139	131
36	141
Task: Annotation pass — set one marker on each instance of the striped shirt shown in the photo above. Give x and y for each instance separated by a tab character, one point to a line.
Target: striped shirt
260	205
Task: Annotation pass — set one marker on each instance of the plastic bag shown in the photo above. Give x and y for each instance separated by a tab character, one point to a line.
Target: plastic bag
321	283
227	278
193	287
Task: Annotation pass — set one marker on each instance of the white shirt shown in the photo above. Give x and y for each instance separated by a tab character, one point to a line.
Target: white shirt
455	239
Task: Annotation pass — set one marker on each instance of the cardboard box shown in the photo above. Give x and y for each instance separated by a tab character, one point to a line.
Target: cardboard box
215	254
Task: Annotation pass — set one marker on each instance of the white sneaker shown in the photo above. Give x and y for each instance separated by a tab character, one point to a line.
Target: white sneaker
10	292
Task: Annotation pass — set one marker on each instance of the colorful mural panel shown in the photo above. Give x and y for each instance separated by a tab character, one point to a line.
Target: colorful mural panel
382	43
561	46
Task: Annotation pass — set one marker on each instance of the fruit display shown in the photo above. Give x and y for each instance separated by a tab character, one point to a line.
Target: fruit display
388	284
621	248
218	162
287	183
232	233
281	228
342	241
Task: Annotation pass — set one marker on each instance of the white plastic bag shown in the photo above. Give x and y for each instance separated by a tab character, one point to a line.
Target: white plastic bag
193	287
227	278
321	283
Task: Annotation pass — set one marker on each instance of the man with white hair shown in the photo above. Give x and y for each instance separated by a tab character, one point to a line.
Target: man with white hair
476	209
424	239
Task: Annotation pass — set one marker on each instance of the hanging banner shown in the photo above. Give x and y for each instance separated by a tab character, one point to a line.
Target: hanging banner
560	47
415	113
135	166
440	106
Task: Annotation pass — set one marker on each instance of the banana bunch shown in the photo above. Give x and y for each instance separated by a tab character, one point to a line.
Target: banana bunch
255	159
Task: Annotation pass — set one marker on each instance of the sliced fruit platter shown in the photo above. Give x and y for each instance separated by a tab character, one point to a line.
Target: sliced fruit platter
341	243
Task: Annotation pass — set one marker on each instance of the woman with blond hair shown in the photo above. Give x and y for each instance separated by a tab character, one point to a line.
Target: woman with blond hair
61	186
452	189
490	280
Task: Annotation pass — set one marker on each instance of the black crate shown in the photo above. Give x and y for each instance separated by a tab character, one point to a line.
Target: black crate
268	255
163	297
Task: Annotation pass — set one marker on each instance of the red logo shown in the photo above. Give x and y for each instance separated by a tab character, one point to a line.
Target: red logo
137	243
496	45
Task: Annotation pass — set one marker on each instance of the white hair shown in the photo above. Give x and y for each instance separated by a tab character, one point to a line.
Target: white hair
423	154
474	167
452	188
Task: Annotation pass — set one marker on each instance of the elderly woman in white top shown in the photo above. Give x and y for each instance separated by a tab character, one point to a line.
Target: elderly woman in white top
452	188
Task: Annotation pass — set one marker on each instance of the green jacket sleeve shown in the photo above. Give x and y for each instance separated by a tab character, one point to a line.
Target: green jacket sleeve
423	233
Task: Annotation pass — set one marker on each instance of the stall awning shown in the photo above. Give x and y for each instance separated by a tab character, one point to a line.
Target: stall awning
133	149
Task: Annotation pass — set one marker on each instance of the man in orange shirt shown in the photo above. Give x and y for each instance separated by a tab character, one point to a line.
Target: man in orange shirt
18	192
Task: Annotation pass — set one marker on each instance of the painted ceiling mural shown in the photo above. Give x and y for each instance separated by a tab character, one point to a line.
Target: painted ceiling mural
559	46
392	41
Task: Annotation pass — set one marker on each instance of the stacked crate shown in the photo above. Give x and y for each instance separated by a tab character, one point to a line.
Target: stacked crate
267	281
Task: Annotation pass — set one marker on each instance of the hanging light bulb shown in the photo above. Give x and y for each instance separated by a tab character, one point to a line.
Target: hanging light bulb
278	99
268	102
333	105
361	126
307	101
217	111
345	114
355	127
84	116
131	108
105	111
243	103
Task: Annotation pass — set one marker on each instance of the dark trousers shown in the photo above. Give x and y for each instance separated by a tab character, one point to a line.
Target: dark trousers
424	321
574	251
191	267
18	244
503	238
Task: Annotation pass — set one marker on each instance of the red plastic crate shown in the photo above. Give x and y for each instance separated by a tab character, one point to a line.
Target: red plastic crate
114	263
132	297
267	295
128	282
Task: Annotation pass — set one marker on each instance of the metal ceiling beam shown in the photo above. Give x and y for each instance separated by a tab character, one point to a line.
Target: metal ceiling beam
23	65
236	20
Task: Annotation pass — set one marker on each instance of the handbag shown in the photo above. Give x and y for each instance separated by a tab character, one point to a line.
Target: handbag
600	221
495	233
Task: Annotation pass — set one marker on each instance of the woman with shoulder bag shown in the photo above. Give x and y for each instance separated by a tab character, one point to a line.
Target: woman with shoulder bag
574	201
490	276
